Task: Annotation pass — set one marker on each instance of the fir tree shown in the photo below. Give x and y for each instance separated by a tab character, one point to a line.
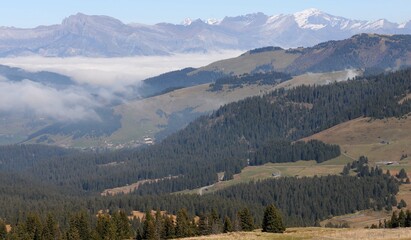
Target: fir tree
246	220
50	228
273	221
228	227
3	230
149	228
183	225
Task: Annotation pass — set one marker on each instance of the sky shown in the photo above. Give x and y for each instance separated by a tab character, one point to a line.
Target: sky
28	13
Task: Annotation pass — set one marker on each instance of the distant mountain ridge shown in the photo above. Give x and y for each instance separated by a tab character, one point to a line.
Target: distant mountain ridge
103	36
370	52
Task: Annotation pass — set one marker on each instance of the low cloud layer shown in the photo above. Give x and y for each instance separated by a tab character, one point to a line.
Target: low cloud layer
100	81
71	104
116	72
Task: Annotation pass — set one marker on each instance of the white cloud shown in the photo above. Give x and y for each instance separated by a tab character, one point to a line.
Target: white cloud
100	79
71	104
116	73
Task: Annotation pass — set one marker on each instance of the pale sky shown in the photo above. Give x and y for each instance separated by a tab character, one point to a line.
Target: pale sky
29	13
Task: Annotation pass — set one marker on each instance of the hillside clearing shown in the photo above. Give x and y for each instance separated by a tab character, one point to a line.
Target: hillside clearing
300	169
386	140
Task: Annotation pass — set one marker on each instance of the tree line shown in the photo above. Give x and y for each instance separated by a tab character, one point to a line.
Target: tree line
118	225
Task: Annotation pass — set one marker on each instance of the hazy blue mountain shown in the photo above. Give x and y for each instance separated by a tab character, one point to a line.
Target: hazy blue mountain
103	36
44	77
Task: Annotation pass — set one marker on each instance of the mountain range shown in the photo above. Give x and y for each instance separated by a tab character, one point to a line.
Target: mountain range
103	36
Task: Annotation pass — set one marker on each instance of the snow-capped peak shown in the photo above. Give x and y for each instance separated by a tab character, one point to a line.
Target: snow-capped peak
303	19
309	12
187	22
212	21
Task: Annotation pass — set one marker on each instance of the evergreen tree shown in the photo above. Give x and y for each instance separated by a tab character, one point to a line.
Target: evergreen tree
50	229
106	229
215	224
123	230
402	174
80	223
346	170
203	225
183	225
273	221
407	218
169	228
34	226
149	228
401	204
73	234
3	230
394	223
246	220
158	223
401	219
228	227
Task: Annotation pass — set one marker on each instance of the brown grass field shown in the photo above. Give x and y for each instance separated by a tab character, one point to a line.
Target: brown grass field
316	233
379	140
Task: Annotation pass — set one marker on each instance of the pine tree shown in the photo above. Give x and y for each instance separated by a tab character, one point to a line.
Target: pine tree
33	226
228	227
3	230
401	219
273	221
214	222
149	229
394	220
246	220
158	223
401	204
106	228
73	234
183	225
407	218
123	230
402	174
169	228
50	228
80	221
203	225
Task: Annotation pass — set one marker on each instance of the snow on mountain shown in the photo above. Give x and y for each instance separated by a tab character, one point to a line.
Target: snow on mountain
103	36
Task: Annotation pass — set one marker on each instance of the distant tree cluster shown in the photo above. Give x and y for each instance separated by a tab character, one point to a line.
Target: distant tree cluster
401	219
268	78
283	151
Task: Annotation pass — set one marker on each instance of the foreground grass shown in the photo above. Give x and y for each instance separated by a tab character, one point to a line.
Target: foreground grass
317	233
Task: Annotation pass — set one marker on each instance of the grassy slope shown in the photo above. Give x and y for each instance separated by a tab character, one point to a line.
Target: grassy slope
379	140
300	168
248	62
317	233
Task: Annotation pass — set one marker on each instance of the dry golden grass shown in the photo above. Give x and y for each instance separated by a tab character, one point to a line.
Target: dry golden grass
379	140
405	194
247	63
317	233
360	219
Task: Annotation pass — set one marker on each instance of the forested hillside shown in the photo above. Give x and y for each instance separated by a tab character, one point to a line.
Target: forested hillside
237	133
253	131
